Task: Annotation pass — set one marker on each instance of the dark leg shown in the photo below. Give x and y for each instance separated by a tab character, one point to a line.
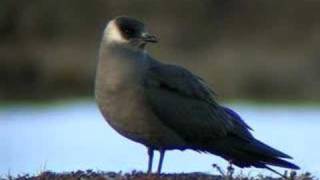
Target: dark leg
150	154
160	160
230	169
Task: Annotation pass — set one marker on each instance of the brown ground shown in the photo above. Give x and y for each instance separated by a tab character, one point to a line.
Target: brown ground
100	175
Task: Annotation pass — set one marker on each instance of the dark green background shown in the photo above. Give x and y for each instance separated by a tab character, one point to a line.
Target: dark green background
248	49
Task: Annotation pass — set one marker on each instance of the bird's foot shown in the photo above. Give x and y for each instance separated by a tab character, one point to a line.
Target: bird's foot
230	171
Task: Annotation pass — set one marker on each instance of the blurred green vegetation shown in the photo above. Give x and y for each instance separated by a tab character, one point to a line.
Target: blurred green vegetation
258	50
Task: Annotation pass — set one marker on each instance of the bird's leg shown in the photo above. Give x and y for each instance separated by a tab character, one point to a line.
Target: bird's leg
162	152
150	154
230	170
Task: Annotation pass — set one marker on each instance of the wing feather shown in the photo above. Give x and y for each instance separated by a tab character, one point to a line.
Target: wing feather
185	103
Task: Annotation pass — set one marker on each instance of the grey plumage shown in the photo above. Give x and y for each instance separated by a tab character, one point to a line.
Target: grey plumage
167	107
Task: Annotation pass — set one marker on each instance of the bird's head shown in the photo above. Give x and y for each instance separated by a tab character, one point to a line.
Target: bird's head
128	31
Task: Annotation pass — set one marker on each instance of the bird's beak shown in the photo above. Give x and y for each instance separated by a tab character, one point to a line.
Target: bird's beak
146	37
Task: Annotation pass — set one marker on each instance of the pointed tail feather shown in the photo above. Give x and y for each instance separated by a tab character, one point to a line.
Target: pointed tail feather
281	163
267	155
254	153
267	150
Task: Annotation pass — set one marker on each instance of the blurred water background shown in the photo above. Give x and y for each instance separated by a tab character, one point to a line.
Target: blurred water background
264	52
73	135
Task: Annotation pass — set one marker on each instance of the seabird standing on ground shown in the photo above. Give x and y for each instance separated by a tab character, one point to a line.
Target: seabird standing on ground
166	107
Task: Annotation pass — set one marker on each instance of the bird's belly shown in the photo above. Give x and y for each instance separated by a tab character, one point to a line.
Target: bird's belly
128	113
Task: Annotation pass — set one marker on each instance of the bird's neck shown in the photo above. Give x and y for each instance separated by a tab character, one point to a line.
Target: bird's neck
118	67
132	46
118	56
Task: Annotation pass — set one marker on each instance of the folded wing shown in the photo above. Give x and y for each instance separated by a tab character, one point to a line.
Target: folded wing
185	103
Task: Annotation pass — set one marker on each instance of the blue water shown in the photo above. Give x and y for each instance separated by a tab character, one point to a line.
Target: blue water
72	136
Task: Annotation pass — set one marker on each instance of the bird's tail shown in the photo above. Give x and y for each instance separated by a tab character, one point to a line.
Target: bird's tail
269	155
254	153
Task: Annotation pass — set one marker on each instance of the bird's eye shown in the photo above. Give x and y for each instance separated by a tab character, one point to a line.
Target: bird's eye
128	31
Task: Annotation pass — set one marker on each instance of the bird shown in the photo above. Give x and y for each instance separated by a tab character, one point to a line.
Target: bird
167	107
